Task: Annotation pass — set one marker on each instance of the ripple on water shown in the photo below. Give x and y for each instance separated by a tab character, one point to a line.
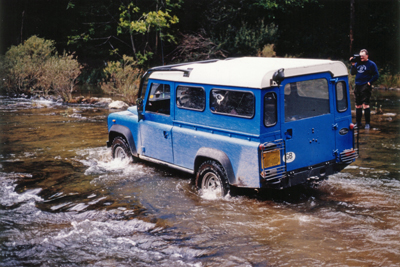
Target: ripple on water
34	237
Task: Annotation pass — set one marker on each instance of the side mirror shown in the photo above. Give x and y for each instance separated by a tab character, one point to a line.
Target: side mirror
139	104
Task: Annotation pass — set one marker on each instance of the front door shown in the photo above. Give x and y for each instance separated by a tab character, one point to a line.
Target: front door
308	120
156	127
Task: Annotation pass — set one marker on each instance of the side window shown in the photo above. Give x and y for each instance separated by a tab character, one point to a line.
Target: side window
341	97
233	103
270	109
159	99
306	99
190	98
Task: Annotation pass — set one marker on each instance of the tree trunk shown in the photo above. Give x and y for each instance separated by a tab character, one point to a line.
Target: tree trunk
352	22
22	26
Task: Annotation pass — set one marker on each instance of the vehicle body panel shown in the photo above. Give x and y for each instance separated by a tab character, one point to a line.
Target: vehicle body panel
309	138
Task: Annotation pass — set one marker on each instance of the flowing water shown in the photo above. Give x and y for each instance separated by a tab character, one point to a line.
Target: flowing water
65	202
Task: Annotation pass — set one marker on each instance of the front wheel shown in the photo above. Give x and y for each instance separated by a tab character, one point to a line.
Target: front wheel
211	177
120	149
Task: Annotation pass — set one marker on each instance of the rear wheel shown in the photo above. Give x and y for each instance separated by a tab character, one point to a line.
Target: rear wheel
120	149
211	177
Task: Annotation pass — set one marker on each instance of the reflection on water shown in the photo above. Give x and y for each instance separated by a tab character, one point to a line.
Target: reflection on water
65	202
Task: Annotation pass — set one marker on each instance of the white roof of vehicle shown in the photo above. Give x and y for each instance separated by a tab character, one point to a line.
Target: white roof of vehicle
252	72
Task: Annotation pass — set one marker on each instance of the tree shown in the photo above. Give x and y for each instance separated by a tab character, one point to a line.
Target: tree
239	27
134	28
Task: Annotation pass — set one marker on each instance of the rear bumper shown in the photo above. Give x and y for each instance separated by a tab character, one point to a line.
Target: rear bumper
311	175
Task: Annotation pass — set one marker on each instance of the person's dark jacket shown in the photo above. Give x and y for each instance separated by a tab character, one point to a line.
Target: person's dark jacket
366	71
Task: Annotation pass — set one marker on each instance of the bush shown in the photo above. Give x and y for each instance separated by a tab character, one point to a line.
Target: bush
36	67
24	64
122	79
388	80
60	75
267	51
2	74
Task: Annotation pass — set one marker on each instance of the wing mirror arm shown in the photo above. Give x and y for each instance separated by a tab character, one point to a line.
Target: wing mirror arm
139	104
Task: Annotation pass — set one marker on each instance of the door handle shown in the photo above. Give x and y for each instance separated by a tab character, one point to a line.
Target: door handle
289	134
165	134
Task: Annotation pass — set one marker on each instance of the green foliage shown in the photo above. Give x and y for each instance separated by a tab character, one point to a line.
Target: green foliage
282	5
24	64
241	28
248	40
122	79
389	81
134	28
60	75
36	67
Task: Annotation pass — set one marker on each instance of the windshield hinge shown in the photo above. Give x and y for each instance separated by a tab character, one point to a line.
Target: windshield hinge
334	81
335	126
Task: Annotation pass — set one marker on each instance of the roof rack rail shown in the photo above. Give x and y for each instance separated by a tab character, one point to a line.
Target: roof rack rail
186	73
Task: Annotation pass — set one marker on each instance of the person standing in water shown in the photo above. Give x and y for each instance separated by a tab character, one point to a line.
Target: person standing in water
366	73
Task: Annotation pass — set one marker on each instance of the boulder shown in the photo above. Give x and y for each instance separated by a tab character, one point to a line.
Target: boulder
104	100
118	105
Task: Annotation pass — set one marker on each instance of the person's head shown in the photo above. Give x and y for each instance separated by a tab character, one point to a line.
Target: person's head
364	54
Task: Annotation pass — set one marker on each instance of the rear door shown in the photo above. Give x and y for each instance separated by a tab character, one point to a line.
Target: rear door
344	136
308	120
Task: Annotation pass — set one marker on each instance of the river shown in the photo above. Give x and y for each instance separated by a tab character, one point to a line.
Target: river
65	202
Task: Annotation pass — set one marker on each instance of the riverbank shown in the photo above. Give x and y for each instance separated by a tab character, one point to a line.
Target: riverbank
104	102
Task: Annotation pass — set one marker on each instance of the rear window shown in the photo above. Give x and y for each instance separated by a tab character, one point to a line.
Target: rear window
306	99
341	97
232	103
270	109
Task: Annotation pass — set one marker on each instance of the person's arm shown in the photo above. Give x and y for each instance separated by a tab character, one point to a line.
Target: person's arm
375	73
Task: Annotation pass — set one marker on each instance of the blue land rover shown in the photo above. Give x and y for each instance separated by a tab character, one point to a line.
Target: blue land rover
243	122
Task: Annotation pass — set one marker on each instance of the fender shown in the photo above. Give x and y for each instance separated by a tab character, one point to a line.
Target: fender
117	129
217	155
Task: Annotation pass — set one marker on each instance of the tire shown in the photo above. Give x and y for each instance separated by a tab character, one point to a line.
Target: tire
120	149
212	176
